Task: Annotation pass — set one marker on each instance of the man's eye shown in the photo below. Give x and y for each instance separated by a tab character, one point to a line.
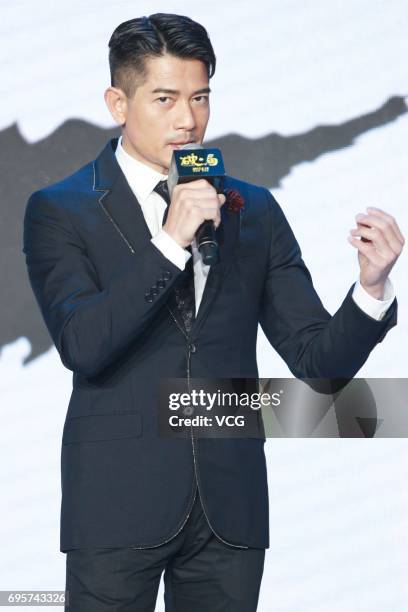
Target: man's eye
201	99
163	99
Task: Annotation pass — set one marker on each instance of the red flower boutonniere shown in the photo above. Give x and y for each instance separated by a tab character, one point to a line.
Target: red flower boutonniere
234	200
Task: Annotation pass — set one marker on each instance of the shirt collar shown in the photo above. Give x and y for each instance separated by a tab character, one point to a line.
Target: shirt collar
141	178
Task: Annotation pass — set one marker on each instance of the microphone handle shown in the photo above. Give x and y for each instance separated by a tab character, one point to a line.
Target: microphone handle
207	242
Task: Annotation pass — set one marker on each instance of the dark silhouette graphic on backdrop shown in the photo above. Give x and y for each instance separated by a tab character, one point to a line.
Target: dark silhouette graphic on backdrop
27	167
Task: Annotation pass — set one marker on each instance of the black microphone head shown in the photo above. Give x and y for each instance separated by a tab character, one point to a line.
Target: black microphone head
172	177
198	163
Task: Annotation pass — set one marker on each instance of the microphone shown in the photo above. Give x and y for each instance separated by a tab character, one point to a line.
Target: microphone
199	163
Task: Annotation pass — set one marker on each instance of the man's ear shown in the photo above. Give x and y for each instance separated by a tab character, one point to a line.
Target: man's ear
116	101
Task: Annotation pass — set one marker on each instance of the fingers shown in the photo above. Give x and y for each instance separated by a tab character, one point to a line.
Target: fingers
221	198
382	214
369	250
191	188
207	213
382	231
200	195
376	239
191	204
198	184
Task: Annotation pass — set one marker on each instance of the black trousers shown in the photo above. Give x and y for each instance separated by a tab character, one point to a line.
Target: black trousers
201	574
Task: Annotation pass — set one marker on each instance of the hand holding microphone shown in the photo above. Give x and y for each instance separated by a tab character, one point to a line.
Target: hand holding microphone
195	204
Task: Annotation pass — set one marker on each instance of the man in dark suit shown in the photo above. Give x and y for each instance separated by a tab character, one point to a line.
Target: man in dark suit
129	302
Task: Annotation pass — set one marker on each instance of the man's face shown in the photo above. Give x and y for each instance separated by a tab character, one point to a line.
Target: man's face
170	108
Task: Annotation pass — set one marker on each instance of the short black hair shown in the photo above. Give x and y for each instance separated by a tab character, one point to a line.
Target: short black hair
135	40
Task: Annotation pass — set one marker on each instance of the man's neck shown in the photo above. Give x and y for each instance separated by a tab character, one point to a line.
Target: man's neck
129	150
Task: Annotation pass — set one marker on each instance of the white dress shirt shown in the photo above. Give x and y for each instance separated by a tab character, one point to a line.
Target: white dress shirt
142	180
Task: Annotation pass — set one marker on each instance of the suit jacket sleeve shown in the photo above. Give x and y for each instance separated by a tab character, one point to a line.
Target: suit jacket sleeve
90	324
313	343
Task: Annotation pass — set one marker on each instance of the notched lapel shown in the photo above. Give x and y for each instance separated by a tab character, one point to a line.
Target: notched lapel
117	201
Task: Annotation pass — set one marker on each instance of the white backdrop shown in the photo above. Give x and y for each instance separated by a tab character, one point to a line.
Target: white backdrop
338	508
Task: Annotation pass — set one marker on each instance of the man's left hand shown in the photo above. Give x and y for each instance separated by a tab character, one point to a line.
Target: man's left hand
379	248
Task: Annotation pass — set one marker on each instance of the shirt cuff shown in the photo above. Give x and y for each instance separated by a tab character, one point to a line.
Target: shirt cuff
370	305
171	249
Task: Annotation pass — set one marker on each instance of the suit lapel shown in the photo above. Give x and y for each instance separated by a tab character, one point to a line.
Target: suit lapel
118	201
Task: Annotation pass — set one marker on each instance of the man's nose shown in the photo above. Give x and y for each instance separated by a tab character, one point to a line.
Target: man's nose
185	119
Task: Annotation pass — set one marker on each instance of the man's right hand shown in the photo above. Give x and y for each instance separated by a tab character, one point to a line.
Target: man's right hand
191	204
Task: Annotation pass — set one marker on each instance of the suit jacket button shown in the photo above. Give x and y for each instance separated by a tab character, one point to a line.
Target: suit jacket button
148	297
193	348
167	275
161	283
154	290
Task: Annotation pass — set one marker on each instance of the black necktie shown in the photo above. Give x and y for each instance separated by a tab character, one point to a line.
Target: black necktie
184	293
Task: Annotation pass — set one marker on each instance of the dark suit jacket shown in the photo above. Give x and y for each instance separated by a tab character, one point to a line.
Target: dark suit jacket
103	288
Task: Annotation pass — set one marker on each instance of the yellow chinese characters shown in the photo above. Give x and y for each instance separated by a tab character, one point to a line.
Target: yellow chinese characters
194	160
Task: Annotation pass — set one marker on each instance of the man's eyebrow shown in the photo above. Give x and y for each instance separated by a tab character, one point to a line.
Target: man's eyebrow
176	92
